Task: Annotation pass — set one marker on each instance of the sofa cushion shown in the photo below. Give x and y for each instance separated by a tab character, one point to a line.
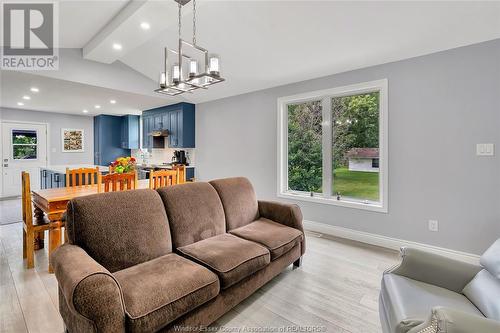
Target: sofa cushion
239	201
276	237
230	257
484	292
491	259
119	229
194	211
159	291
407	303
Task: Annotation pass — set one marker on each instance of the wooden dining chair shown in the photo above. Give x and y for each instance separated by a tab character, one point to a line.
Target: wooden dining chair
31	231
81	176
117	182
181	173
163	178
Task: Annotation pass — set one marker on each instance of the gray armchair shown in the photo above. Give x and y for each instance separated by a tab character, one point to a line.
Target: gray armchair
429	293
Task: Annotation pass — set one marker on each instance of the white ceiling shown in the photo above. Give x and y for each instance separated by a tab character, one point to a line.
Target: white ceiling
264	44
269	43
69	97
79	21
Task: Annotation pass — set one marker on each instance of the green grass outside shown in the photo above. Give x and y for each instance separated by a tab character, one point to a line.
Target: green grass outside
356	184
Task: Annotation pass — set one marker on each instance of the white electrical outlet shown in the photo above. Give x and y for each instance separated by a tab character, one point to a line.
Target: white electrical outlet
433	225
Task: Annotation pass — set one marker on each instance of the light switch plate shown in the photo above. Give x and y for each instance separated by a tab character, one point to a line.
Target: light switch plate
485	149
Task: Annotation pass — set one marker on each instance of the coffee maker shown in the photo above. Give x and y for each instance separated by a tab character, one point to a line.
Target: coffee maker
179	157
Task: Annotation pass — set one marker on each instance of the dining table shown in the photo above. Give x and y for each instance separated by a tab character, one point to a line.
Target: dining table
53	202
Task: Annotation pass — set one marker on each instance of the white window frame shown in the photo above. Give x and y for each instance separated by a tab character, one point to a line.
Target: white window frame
326	96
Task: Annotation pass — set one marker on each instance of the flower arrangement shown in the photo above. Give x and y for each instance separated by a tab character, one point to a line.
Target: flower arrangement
123	164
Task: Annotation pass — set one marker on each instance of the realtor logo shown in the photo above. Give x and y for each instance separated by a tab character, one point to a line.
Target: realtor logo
29	36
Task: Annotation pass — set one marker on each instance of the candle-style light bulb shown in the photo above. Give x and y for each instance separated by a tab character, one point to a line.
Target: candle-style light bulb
193	68
176	73
163	80
214	65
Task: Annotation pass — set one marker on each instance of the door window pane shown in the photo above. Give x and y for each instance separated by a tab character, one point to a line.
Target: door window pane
305	161
24	145
25	152
23	137
356	146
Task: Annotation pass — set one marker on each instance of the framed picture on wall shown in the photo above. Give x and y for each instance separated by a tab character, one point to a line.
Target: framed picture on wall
72	140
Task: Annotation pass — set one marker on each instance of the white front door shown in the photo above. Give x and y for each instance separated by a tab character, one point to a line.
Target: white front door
24	148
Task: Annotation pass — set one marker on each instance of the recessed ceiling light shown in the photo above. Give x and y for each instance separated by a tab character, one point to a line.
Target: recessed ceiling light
34	89
117	46
26	97
145	26
20	103
112	101
85	111
97	106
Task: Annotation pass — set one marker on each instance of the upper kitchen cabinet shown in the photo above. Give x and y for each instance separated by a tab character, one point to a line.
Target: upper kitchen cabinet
108	141
177	119
130	132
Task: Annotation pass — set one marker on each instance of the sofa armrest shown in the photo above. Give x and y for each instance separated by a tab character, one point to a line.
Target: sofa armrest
447	320
286	214
89	289
435	269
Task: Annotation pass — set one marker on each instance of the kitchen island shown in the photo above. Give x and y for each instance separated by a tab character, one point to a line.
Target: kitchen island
54	176
143	170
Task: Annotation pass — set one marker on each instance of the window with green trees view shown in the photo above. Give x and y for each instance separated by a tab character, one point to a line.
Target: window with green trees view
355	145
24	144
304	147
334	142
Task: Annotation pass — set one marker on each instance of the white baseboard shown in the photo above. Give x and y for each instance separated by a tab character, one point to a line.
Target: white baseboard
386	242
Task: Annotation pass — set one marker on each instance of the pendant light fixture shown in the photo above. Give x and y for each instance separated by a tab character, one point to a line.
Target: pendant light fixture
185	74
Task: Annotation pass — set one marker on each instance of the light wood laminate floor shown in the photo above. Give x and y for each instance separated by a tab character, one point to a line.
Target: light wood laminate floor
335	290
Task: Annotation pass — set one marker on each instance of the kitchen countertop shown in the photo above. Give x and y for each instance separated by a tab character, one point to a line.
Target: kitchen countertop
159	166
62	168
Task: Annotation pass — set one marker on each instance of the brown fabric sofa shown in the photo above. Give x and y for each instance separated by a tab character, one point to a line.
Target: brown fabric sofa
181	256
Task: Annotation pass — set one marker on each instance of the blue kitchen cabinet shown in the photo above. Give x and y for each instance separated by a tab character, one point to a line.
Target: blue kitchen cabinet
165	120
157	122
147	128
152	123
173	137
145	132
108	139
130	132
189	173
178	119
185	136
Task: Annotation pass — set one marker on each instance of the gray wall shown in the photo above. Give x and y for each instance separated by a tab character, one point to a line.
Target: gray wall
440	106
56	122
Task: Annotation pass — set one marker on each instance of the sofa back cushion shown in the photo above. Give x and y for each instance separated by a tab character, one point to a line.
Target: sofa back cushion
239	201
194	212
490	259
484	292
120	229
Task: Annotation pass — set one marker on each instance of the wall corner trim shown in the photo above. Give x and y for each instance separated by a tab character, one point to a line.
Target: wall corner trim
386	242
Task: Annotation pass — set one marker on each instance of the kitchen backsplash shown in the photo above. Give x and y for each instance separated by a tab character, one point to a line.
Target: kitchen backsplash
161	155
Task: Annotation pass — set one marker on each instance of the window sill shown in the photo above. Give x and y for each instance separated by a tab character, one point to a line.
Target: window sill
374	207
